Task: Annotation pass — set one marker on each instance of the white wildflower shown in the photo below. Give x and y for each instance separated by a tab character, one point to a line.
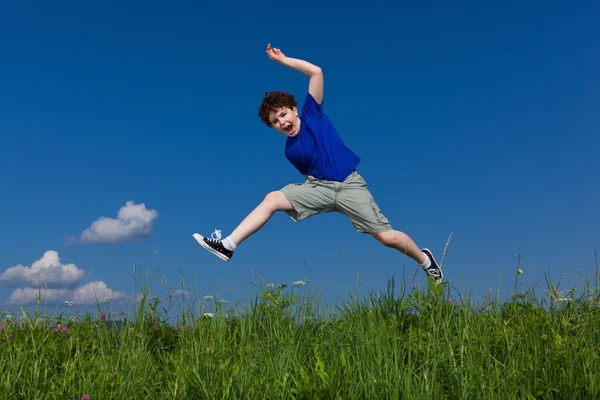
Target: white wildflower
208	297
299	283
69	303
208	314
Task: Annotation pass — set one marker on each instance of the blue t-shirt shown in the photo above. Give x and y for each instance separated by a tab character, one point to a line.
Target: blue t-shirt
318	150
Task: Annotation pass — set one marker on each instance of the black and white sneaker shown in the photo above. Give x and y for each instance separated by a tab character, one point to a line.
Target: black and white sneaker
434	269
214	245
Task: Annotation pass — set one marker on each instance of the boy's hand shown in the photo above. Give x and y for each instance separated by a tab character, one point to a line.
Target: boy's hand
315	85
275	54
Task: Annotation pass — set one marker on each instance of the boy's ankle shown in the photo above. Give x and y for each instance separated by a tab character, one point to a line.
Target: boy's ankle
427	263
229	244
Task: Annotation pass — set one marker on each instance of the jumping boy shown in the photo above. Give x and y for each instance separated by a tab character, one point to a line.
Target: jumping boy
316	150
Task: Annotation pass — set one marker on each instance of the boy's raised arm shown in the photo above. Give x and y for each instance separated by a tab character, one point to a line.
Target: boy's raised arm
316	82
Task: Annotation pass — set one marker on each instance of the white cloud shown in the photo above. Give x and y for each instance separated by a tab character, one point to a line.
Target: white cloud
88	294
94	292
29	295
133	221
47	270
55	282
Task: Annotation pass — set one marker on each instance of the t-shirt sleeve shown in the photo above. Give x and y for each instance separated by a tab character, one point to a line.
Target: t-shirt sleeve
311	108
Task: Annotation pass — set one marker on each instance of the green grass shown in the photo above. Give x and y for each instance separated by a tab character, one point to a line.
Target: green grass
401	343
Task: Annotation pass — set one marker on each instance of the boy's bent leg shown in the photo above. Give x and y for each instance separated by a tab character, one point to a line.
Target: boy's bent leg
402	242
356	201
224	249
274	201
299	201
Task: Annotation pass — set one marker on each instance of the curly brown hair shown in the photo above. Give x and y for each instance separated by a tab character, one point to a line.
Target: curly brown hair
272	102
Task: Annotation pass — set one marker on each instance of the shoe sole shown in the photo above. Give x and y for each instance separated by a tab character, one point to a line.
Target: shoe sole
200	239
430	254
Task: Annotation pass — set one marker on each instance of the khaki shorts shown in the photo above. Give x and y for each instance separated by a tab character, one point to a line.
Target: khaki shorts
351	198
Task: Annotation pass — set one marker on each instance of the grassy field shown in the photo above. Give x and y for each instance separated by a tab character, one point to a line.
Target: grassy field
402	343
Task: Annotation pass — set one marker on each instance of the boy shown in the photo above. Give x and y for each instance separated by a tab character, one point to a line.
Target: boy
332	184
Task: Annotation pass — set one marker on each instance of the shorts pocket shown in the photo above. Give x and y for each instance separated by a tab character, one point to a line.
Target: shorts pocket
379	215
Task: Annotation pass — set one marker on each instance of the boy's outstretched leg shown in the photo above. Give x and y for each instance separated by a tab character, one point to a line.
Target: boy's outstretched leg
402	242
224	249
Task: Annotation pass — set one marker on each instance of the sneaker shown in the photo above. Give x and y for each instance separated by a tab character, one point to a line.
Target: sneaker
434	269
214	245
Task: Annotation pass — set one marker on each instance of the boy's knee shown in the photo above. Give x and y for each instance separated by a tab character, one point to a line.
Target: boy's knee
275	200
387	238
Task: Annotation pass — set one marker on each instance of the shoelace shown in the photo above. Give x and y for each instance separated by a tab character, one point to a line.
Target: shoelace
433	271
216	234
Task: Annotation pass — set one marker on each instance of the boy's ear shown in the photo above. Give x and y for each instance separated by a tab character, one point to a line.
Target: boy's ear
295	110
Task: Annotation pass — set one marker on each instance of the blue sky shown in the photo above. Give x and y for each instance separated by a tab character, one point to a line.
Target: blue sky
476	120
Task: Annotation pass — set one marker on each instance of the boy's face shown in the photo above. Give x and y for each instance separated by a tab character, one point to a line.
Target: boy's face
286	121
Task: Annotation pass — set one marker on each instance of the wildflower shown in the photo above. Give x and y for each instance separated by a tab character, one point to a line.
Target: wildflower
69	303
113	313
105	299
519	271
10	336
86	397
65	330
450	301
299	283
208	297
177	329
222	301
138	334
209	314
71	338
414	286
102	316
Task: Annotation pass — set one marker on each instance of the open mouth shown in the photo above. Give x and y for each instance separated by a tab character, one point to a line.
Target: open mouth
289	128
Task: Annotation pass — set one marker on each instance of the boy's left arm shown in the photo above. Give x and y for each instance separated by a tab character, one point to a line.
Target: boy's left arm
316	82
